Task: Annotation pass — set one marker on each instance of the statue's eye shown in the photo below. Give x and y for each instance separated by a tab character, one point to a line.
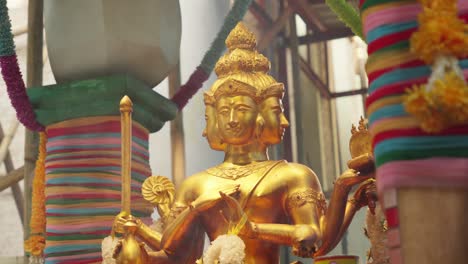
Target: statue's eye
223	112
277	110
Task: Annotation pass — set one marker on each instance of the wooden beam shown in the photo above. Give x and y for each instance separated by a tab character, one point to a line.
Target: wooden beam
330	34
11	178
302	8
327	65
6	141
283	78
15	188
275	29
314	78
261	15
34	78
177	134
296	109
349	93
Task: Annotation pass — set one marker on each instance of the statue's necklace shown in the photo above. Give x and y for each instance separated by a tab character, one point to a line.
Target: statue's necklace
234	172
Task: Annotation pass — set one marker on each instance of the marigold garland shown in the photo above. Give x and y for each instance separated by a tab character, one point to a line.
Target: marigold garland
445	105
441	39
440	32
36	243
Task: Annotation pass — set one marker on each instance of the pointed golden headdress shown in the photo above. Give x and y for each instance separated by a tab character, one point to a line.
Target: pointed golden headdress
243	70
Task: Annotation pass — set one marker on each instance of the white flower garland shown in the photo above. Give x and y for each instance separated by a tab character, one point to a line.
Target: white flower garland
442	65
36	260
107	248
225	249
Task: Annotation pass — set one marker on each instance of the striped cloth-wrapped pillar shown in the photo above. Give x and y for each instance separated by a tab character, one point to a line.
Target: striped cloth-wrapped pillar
83	173
422	177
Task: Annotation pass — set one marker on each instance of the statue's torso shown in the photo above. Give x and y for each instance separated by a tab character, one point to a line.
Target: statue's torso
262	195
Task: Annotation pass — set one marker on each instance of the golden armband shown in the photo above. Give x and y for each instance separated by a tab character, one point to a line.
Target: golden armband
299	199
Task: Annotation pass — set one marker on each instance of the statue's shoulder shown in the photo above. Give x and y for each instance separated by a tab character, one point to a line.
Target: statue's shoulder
190	185
195	179
194	185
297	174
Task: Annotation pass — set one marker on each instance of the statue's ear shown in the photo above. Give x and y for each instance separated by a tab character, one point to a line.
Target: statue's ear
260	123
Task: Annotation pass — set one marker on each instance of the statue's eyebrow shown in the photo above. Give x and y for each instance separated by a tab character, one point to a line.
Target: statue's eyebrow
243	105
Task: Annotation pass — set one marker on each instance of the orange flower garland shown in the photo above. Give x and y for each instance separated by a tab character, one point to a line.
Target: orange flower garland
446	104
36	242
442	37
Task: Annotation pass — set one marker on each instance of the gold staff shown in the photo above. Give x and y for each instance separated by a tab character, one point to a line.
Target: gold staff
128	249
126	108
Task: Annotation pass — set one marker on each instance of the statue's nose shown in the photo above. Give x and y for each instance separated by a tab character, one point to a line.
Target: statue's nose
233	124
232	120
284	122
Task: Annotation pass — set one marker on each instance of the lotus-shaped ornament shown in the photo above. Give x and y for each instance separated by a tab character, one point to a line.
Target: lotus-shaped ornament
158	190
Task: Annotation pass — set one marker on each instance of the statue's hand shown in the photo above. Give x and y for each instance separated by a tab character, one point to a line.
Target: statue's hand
366	194
351	177
237	217
305	241
212	198
119	222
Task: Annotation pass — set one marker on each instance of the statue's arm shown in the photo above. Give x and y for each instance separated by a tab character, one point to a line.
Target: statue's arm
364	195
303	234
304	204
183	236
183	239
340	211
178	229
333	219
151	237
350	211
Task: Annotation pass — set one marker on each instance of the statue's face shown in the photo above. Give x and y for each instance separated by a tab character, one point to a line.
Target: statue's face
211	131
276	123
236	117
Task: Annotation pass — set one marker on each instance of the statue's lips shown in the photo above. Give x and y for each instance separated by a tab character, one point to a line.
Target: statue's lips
234	130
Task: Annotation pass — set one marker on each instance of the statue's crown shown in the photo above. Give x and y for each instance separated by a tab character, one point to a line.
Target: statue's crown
242	55
243	70
241	38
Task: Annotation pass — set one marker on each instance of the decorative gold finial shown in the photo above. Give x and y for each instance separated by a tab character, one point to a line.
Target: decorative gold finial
126	104
360	146
361	139
362	124
241	38
353	129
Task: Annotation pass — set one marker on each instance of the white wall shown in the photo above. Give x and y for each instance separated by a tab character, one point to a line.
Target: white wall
201	21
349	110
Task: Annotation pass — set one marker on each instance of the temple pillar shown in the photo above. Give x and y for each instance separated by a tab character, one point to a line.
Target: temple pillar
83	172
422	177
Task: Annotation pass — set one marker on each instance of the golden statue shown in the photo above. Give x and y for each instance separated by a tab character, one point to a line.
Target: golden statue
270	202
